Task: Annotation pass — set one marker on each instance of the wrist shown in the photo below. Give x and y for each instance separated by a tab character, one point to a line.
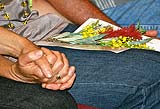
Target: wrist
13	73
27	46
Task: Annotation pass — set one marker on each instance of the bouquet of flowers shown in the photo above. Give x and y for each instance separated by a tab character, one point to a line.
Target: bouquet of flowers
100	33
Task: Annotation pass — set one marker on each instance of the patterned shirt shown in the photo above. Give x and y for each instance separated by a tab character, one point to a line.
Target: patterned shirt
17	16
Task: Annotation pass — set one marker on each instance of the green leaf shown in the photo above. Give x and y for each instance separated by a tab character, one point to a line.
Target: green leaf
90	40
139	42
70	38
139	27
65	35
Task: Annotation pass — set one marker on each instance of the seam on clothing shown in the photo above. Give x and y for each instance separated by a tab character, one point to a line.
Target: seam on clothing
145	91
111	84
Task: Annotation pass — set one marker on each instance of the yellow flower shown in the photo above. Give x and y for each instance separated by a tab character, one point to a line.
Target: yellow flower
88	31
102	30
124	39
113	40
116	45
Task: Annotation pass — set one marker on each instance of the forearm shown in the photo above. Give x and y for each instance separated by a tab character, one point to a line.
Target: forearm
12	44
43	7
78	11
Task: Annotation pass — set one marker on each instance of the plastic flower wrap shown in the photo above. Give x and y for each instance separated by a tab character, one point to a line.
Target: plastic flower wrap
96	33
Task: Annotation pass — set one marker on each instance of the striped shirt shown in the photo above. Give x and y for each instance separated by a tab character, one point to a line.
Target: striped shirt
103	4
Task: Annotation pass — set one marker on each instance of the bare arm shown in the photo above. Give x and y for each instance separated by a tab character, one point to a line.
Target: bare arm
12	44
32	66
24	70
43	7
78	11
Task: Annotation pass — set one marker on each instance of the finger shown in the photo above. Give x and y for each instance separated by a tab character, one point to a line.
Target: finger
151	33
44	66
65	69
68	84
49	55
58	66
51	86
30	57
68	76
38	75
63	72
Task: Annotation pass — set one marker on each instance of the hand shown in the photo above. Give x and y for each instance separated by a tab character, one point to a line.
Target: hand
43	63
151	33
60	67
26	68
57	64
67	81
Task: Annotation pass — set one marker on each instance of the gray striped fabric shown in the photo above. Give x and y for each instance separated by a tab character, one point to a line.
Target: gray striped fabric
103	4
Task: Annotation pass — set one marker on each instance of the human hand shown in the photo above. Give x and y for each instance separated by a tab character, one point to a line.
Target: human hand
28	67
61	68
64	83
151	33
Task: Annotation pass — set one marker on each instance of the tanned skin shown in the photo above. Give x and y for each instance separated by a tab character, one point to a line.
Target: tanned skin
78	11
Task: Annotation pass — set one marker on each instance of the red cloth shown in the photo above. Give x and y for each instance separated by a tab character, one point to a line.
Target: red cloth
82	106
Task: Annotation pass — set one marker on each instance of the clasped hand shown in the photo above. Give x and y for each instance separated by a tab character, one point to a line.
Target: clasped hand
48	67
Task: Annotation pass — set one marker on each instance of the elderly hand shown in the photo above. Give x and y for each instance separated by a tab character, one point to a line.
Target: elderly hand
26	68
61	68
62	83
34	67
29	66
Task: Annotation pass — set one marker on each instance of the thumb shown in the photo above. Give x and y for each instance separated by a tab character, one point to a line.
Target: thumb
30	57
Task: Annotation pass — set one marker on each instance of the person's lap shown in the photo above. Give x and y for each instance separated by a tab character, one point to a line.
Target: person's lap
16	95
105	79
127	80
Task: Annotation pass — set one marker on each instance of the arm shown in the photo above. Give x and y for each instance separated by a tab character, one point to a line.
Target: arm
12	44
43	7
32	66
14	71
25	70
78	11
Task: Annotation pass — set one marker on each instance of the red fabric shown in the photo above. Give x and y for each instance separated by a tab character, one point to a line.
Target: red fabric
82	106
